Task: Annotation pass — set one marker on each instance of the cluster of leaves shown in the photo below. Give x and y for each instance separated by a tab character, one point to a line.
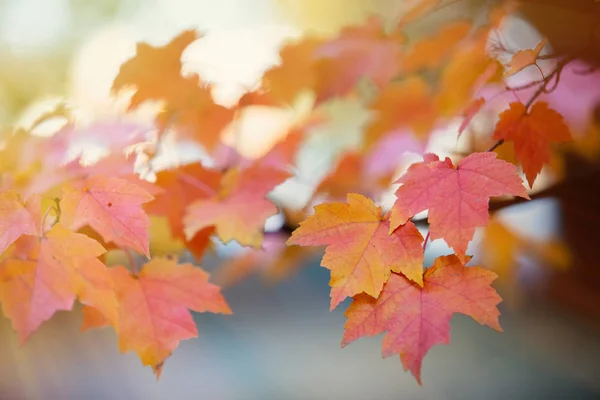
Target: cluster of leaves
59	218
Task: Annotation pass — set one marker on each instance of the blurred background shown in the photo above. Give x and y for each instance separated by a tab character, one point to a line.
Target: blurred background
282	342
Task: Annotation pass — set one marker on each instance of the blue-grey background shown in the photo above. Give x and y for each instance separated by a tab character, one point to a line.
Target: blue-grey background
283	343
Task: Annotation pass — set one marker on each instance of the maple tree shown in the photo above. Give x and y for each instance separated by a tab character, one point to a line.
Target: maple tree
60	216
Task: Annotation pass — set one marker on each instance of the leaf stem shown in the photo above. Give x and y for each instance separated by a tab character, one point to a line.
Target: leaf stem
43	224
197	183
555	73
543	88
426	240
132	265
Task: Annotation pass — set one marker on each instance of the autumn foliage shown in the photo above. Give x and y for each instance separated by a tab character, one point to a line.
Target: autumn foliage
62	217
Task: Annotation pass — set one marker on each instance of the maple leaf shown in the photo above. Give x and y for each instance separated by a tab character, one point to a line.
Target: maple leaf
181	187
345	178
295	73
59	267
429	53
468	69
405	104
24	161
189	108
333	68
153	70
361	250
470	113
16	219
532	132
69	142
417	318
281	155
351	175
153	312
112	207
525	58
366	51
194	114
240	208
382	159
457	197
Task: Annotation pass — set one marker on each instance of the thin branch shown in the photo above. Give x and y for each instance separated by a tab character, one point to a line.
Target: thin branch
496	145
438	8
543	87
498	205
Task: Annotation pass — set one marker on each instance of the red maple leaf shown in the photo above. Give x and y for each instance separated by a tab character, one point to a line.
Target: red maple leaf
240	208
112	207
457	197
418	318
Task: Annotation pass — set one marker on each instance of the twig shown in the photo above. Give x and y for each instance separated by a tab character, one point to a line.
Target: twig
542	89
555	73
496	145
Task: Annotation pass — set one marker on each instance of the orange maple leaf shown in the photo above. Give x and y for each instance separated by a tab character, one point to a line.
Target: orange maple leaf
60	266
457	197
524	58
333	67
361	250
240	208
418	318
16	219
467	70
194	114
351	176
430	52
153	314
295	73
155	72
532	132
345	178
112	207
405	104
283	153
181	187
